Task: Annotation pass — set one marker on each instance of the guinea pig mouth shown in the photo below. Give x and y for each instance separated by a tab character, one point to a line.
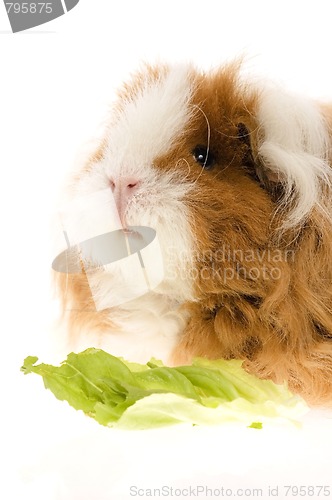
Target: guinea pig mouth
138	233
104	249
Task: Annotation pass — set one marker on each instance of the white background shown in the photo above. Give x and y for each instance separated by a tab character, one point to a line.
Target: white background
56	82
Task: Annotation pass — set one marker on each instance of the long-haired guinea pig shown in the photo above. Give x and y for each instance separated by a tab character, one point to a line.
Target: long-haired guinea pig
234	177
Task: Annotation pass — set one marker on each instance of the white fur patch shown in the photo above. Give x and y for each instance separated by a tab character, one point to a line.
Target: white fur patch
295	146
146	128
149	123
144	328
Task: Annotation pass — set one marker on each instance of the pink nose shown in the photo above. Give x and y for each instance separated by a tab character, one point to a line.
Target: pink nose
123	189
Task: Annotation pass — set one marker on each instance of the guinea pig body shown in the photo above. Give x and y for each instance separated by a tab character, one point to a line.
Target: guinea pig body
235	179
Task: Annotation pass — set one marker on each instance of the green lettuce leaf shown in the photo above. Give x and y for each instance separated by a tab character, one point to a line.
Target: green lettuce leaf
127	395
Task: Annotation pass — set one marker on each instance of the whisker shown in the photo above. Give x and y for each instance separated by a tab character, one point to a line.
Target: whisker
187	163
208	140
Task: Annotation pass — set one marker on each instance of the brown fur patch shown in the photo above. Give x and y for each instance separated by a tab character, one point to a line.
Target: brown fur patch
286	333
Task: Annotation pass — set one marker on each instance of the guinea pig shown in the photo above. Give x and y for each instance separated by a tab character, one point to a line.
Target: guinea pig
234	176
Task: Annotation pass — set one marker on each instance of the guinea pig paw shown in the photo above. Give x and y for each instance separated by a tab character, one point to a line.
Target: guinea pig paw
180	356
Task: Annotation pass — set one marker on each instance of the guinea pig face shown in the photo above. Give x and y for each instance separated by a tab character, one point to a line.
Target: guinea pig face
177	157
180	155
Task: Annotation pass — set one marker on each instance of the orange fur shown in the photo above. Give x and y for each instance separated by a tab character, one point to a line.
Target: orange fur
282	327
78	308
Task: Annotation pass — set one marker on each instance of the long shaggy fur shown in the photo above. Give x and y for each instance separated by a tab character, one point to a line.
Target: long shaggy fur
248	241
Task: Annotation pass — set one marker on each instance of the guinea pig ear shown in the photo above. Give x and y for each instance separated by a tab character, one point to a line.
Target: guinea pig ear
290	148
267	177
243	134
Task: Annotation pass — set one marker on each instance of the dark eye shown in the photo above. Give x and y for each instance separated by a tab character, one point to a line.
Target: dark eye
204	157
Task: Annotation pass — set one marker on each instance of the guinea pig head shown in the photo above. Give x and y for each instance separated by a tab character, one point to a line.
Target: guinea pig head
199	158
